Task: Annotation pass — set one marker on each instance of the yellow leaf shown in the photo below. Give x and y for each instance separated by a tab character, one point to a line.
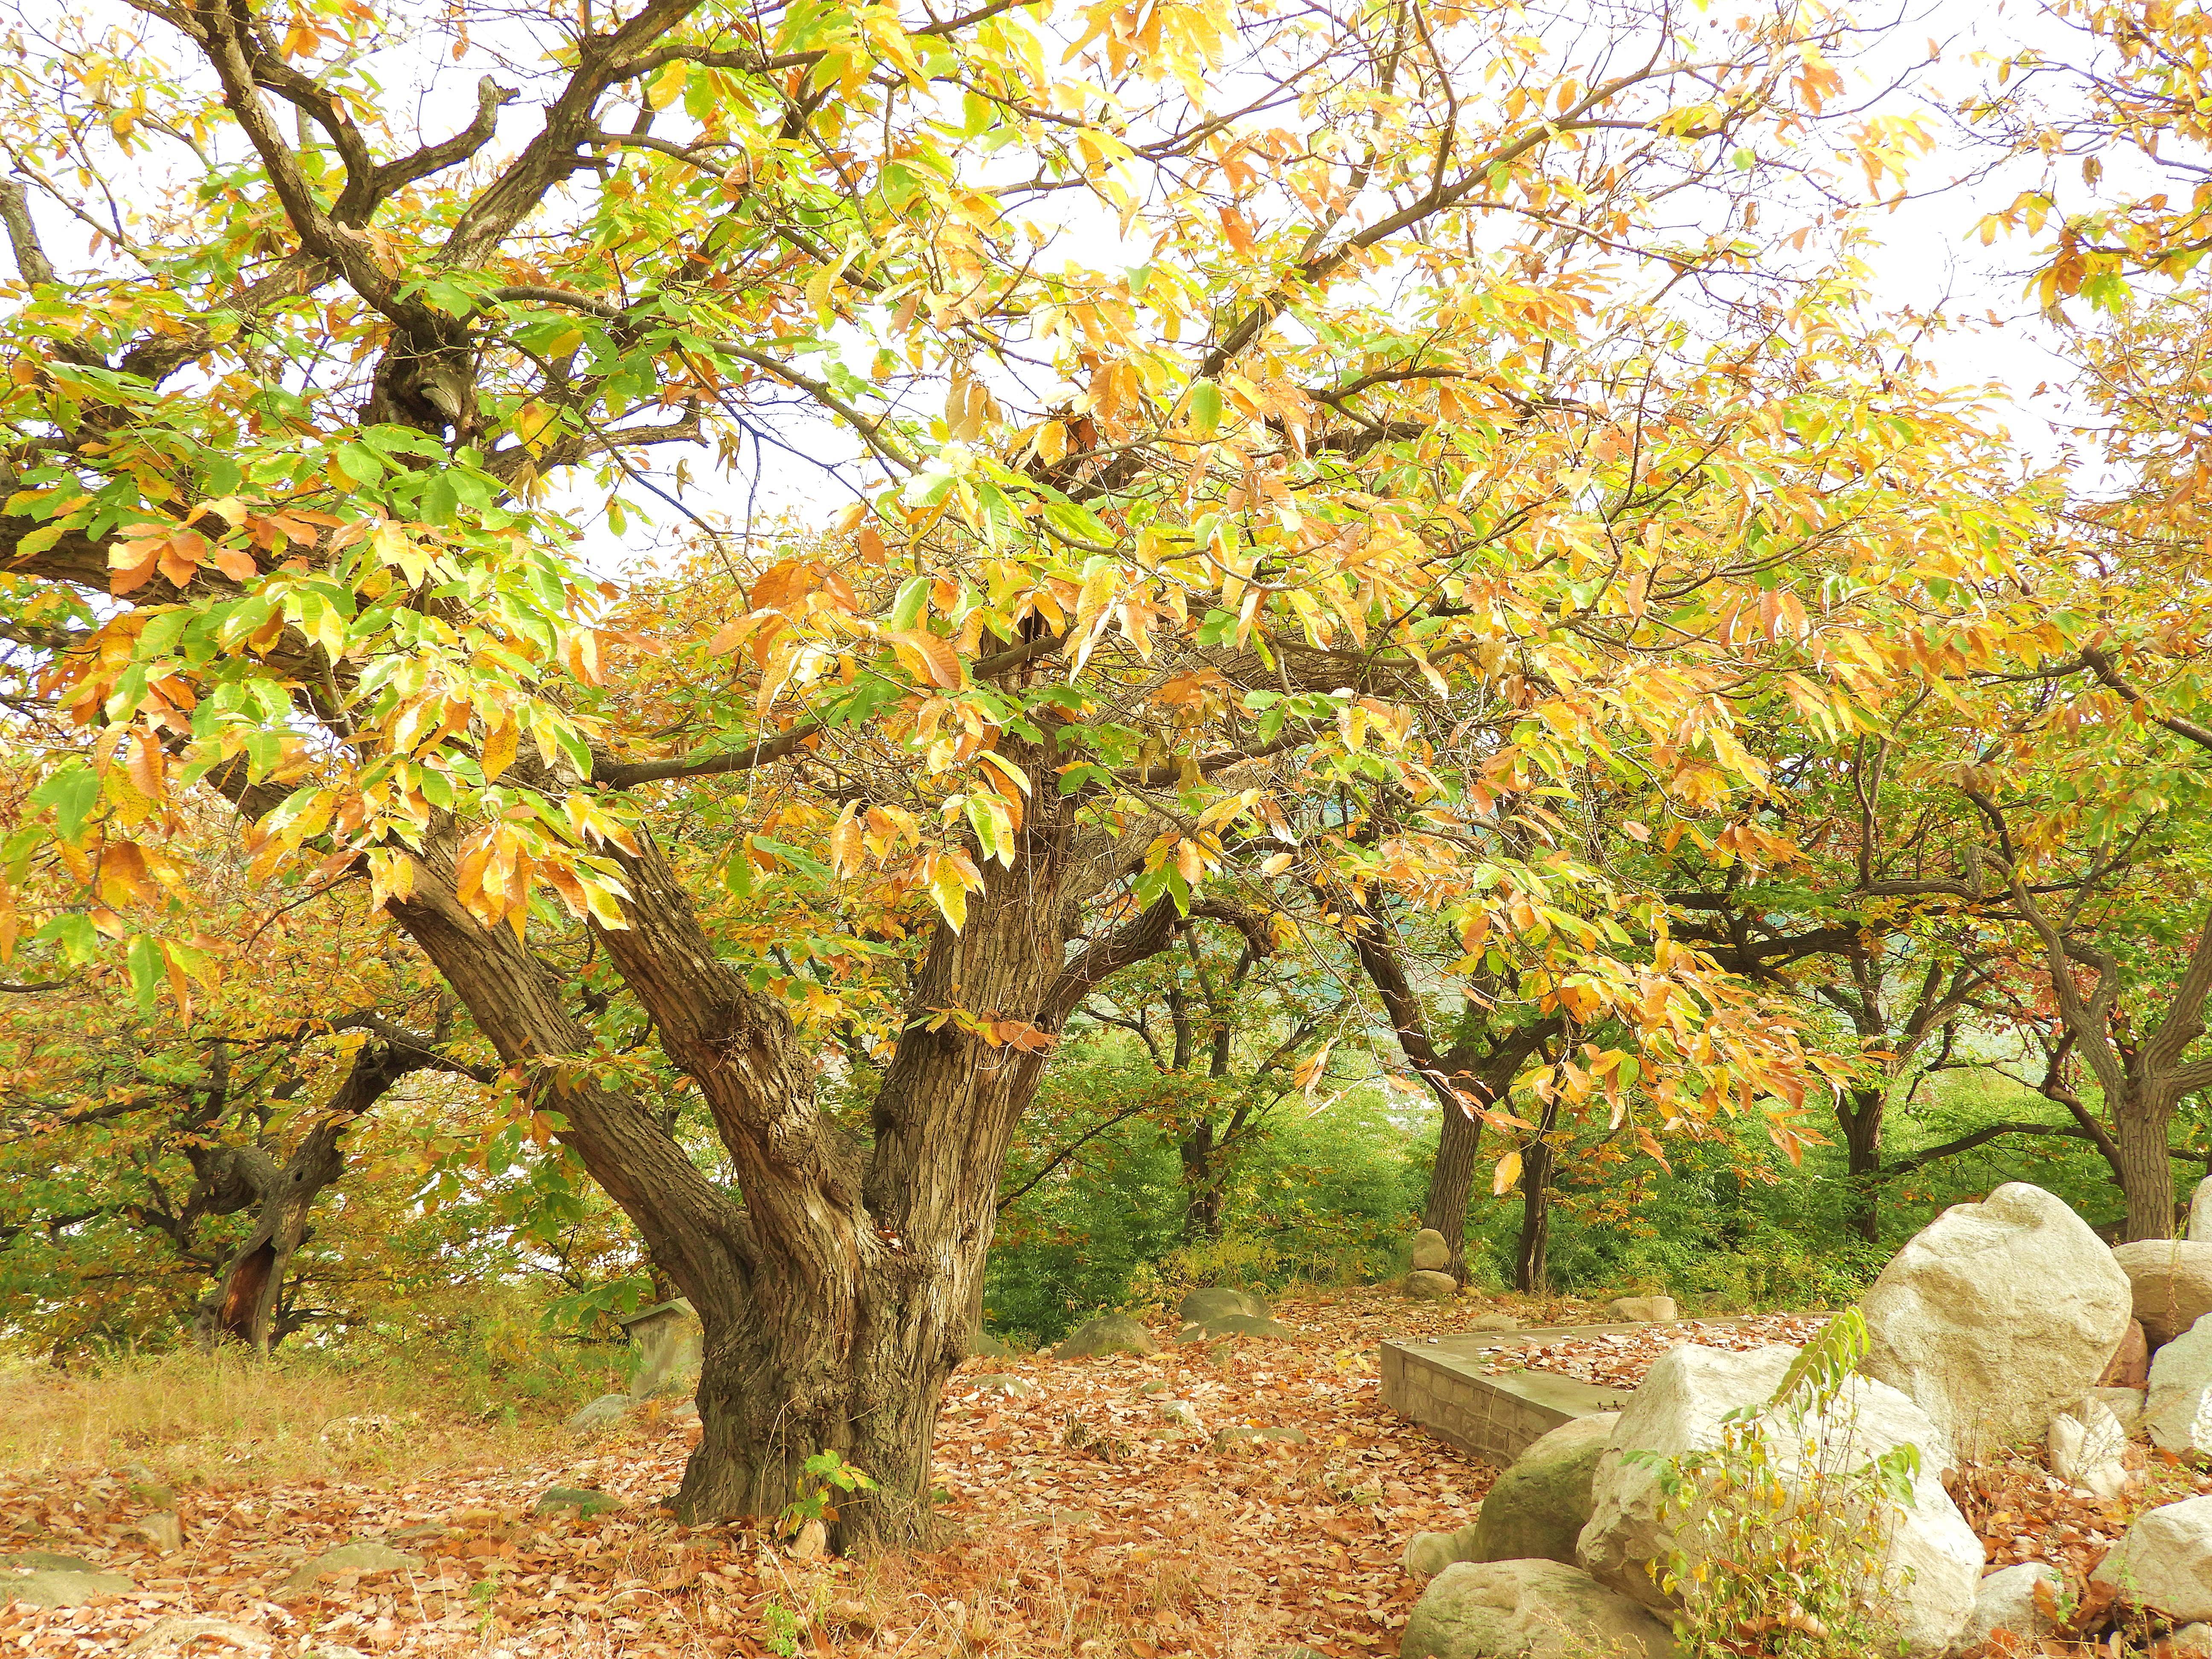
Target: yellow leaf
1507	1172
668	86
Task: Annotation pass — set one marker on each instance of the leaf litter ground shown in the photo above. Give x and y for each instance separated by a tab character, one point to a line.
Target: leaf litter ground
1098	1513
1094	1515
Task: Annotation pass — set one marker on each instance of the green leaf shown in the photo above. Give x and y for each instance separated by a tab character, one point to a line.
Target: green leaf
147	967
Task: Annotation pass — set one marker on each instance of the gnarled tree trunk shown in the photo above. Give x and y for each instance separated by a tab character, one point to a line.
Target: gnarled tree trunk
836	1289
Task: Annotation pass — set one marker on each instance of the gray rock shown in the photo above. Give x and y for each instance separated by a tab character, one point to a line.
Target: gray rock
1431	1253
1115	1333
61	1586
1238	1325
1494	1321
1423	1285
1011	1388
2171	1282
1996	1316
1200	1306
1539	1506
45	1561
2006	1600
601	1414
153	1494
2190	1642
981	1345
2178	1409
584	1501
1527	1610
367	1557
670	1342
2164	1561
164	1530
1643	1310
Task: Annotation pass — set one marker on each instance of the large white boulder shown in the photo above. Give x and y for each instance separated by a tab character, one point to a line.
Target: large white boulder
2164	1561
1934	1561
2177	1411
1996	1316
2171	1278
2200	1212
1527	1610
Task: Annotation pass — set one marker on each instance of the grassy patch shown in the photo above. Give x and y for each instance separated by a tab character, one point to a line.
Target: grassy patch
191	1417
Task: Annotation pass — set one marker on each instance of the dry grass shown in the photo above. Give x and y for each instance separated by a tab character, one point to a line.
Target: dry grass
191	1419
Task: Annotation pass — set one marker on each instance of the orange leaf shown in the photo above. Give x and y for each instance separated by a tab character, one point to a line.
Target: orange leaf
927	656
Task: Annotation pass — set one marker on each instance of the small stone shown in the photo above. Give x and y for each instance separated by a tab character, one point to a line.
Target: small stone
152	1494
1108	1333
1494	1321
601	1414
1181	1413
981	1345
2170	1281
164	1530
1431	1253
167	1635
1259	1326
57	1587
812	1540
1643	1310
2190	1642
586	1502
1428	1553
1423	1285
2086	1451
1011	1388
366	1557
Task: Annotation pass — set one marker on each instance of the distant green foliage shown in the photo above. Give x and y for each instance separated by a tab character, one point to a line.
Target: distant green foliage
1321	1198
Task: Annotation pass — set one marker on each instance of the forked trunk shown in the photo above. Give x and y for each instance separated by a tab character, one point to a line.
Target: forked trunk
838	1295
